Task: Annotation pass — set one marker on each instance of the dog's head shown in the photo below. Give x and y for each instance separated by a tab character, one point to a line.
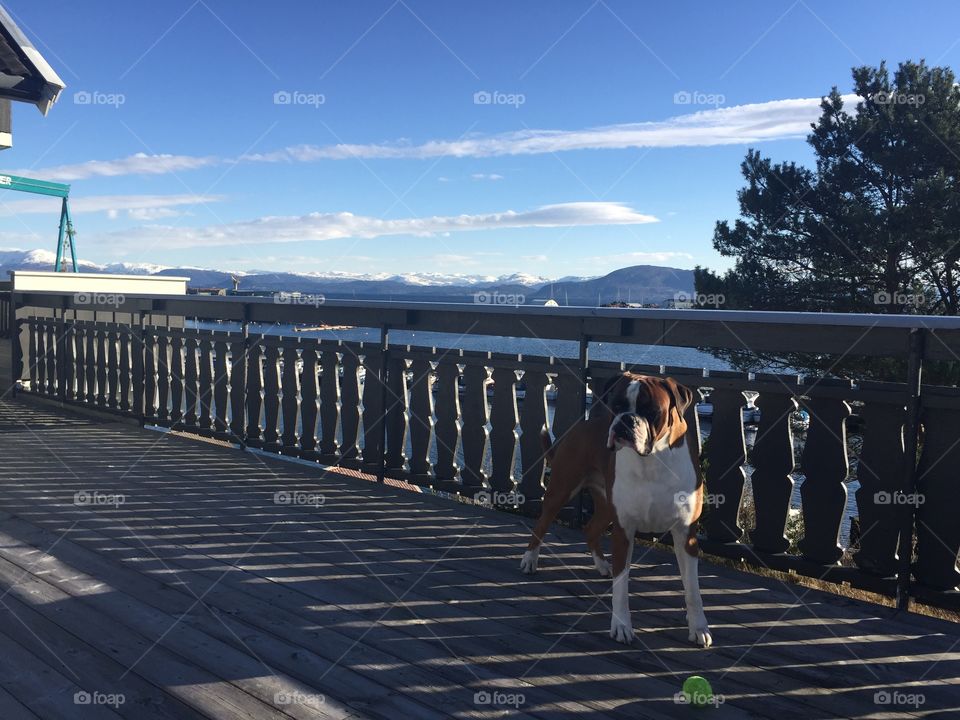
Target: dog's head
644	410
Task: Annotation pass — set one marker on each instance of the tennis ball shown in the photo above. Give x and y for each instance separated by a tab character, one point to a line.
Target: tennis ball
697	691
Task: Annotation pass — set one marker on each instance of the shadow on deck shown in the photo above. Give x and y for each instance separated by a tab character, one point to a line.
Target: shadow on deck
169	574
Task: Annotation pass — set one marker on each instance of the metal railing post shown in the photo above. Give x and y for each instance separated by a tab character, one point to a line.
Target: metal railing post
915	350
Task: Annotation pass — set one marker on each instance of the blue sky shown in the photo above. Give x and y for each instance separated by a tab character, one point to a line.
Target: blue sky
610	134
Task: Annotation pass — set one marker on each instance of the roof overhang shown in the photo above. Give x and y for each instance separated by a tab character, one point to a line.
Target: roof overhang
24	75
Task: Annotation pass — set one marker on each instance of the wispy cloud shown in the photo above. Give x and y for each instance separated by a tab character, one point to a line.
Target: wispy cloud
776	120
137	207
740	124
486	176
136	164
334	226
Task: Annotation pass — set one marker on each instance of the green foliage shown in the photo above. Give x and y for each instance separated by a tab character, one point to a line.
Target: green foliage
873	227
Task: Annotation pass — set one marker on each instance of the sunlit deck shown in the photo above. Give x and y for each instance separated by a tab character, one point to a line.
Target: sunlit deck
199	596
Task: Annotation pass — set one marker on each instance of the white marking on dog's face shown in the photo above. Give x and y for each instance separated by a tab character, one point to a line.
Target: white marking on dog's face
629	429
633	392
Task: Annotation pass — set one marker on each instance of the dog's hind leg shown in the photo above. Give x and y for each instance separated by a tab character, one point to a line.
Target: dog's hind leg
597	525
553	501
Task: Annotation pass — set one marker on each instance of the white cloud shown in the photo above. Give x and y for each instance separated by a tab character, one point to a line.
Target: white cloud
138	207
136	164
757	122
150	214
737	125
334	226
486	176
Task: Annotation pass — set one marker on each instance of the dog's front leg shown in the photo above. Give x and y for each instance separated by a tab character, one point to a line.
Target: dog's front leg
687	550
621	628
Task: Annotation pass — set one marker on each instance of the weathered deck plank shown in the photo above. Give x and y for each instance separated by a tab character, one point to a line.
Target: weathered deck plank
392	603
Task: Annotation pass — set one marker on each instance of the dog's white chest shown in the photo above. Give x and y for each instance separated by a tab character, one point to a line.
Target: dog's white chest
654	493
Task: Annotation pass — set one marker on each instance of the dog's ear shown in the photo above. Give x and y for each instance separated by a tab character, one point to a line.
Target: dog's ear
602	403
681	396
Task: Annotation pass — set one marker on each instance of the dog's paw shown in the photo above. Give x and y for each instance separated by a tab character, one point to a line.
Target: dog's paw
602	565
621	631
528	563
700	634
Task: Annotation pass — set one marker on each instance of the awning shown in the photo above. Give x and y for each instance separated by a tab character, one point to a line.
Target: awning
24	75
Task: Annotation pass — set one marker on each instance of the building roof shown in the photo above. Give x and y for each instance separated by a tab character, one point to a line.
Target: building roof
24	75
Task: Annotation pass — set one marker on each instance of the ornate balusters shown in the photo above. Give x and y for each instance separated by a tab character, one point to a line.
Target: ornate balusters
50	356
206	375
254	393
421	418
773	462
447	411
126	370
309	394
38	357
504	419
91	368
136	370
238	385
350	406
475	436
372	410
271	395
396	413
190	376
880	473
221	385
533	421
163	377
113	366
825	468
727	452
149	374
80	362
176	379
329	401
291	397
67	360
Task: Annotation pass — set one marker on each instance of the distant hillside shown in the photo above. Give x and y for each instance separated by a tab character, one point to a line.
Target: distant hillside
638	284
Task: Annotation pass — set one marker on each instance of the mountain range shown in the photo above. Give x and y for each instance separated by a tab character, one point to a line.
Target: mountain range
649	284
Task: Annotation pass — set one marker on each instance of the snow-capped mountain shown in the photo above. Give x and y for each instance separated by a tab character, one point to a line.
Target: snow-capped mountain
642	283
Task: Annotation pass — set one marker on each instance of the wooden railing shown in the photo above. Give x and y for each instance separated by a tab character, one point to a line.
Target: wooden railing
453	420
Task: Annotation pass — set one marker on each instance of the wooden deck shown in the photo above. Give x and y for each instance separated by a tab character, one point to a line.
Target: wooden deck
199	596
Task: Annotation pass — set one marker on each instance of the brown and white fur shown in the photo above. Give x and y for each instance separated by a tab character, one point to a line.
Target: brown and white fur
634	457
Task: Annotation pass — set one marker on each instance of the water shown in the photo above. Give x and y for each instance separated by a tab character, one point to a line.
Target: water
632	354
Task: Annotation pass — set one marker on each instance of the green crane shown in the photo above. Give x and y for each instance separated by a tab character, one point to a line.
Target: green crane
42	187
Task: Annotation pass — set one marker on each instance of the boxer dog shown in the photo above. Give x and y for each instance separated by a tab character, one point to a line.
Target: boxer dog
634	457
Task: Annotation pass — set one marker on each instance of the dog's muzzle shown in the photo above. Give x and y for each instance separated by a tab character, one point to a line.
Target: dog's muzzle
629	430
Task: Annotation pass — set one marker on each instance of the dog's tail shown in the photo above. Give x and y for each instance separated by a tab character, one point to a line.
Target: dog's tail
549	447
